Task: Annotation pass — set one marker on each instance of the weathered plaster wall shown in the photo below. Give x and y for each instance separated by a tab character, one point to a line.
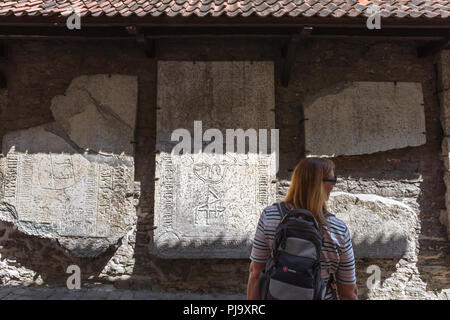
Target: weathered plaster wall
38	71
443	90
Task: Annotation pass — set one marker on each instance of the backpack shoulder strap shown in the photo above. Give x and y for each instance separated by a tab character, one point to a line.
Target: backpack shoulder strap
306	214
282	210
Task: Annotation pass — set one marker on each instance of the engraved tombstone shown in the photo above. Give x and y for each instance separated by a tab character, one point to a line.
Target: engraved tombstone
207	204
73	179
364	117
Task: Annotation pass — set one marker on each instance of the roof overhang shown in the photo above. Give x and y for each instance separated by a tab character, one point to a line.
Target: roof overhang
253	26
433	34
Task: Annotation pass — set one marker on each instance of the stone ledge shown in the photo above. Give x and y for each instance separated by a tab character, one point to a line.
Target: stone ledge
104	292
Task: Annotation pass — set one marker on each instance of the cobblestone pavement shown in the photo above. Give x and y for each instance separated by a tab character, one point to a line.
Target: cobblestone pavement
103	292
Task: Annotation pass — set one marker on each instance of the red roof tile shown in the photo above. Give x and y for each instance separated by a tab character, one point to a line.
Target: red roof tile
264	8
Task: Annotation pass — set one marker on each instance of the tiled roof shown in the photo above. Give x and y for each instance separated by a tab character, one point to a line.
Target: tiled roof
230	8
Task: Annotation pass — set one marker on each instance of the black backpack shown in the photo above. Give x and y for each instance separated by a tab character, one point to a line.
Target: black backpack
293	270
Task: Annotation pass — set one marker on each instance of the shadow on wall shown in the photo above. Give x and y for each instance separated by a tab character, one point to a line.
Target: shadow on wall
391	247
365	276
383	253
205	275
33	260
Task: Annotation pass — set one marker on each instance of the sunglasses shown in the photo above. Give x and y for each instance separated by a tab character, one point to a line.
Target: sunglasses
332	180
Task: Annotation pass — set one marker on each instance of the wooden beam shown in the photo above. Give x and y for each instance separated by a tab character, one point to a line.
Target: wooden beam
150	48
173	32
209	21
75	38
170	32
3	82
149	45
431	48
289	53
3	64
212	32
116	38
378	38
3	51
289	59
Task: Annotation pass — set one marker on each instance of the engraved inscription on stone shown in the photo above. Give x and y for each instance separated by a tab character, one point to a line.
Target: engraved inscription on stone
204	218
80	195
210	212
207	205
364	117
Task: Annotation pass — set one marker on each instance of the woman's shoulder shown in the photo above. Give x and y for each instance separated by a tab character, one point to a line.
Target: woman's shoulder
335	222
271	210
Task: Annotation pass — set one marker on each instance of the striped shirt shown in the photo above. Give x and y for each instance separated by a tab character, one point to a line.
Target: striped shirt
337	251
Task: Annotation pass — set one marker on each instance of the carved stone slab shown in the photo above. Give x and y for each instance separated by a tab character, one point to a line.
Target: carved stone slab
207	205
380	227
99	112
364	117
53	187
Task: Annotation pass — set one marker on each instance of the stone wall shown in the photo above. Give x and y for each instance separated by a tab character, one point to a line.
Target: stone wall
413	176
443	90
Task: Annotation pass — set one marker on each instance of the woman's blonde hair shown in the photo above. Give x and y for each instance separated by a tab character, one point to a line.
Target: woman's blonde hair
306	190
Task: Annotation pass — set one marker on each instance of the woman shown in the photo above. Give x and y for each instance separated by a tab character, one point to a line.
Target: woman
311	184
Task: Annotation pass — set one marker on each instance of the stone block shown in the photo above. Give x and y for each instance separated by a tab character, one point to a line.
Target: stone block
73	180
380	227
207	204
98	112
364	117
